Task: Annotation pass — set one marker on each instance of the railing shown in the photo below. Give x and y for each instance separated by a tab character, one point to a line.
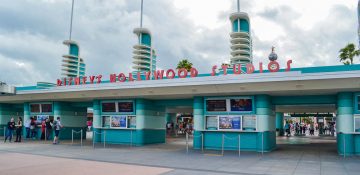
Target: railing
81	136
99	133
224	137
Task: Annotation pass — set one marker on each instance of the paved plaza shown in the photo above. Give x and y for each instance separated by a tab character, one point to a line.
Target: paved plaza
294	155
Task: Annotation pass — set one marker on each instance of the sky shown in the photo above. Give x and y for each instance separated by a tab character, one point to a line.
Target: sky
32	31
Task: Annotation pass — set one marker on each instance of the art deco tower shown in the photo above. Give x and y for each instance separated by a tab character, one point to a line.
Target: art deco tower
72	64
144	58
241	43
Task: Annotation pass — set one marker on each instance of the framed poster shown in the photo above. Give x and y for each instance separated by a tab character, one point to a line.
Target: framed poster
216	105
230	122
46	108
126	106
35	108
241	105
108	107
106	121
357	123
249	122
41	118
211	122
131	121
118	121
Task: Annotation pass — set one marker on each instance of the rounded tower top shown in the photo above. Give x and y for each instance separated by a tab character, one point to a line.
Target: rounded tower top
239	15
142	30
273	56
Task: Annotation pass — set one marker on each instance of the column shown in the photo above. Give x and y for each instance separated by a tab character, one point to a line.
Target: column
199	121
97	120
280	123
265	123
345	123
26	116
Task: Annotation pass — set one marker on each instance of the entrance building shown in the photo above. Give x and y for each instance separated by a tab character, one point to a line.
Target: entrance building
225	108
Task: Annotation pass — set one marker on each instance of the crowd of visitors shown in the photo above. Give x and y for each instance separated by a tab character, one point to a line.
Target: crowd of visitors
299	129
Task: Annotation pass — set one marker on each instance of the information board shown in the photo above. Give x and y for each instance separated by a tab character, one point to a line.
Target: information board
215	105
249	122
108	107
241	105
230	122
118	121
126	106
212	122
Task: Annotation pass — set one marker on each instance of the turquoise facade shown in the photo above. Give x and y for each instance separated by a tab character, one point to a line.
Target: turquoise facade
280	123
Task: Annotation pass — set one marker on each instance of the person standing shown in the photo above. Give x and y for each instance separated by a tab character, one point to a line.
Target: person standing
32	128
19	126
49	125
27	128
43	128
9	130
57	127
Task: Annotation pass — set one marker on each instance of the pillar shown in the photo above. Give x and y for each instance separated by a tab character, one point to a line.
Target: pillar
96	120
280	123
345	123
198	121
265	123
26	116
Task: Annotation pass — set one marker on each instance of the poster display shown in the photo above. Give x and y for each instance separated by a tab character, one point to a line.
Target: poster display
241	105
249	122
125	107
118	121
131	121
35	108
108	107
212	122
216	105
106	121
46	108
40	118
230	122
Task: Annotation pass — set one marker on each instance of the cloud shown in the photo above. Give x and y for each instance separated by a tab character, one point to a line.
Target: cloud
32	31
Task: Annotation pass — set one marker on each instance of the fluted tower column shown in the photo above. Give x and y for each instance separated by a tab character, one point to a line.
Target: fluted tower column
241	43
72	64
144	58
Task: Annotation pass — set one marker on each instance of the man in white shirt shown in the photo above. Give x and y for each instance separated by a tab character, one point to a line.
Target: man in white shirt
27	128
57	127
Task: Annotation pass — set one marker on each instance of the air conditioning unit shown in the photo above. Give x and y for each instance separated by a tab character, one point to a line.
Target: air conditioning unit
6	89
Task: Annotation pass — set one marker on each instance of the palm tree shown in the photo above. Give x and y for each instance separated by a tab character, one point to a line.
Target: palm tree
348	53
184	64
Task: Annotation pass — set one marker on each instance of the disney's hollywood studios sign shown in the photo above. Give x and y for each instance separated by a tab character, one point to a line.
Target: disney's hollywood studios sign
273	66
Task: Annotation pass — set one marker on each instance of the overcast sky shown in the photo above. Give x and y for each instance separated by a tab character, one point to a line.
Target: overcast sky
31	33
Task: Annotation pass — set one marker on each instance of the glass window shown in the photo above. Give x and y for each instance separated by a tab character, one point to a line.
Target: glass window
249	122
241	105
108	107
357	123
131	122
230	122
125	106
35	108
211	122
46	108
216	105
358	103
106	121
118	121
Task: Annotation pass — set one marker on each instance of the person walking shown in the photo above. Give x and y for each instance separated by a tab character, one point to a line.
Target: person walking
49	126
287	129
57	127
27	128
43	129
19	126
9	130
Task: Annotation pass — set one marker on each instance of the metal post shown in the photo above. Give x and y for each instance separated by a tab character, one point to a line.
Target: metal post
104	138
222	145
344	146
187	143
81	139
239	145
262	144
93	139
131	138
72	137
202	142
